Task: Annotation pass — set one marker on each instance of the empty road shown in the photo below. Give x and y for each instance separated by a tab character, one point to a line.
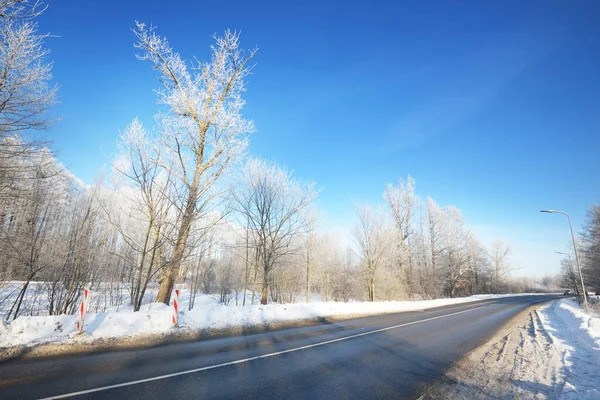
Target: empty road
387	356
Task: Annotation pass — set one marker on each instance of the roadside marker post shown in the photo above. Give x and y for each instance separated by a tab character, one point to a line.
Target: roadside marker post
175	319
82	310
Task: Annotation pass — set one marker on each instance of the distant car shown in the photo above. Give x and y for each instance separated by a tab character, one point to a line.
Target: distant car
566	293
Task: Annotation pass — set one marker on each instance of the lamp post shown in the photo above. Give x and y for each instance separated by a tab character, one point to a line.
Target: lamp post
564	254
585	304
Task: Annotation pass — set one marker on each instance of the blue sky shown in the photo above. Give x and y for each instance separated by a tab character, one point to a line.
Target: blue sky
492	106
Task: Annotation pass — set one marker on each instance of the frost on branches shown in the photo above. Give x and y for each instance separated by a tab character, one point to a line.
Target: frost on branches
203	129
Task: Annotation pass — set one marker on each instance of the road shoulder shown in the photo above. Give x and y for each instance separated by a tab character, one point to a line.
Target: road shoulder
520	361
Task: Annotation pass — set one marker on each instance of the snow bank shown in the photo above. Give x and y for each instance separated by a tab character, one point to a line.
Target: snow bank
156	318
576	335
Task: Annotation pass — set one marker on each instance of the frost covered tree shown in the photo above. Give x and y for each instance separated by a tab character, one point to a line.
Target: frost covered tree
499	254
403	203
435	233
480	266
80	247
27	224
25	73
202	127
141	215
591	247
25	94
373	243
569	275
38	229
271	202
311	237
455	253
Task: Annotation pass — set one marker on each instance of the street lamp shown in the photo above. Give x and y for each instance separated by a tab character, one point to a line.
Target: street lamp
585	304
564	254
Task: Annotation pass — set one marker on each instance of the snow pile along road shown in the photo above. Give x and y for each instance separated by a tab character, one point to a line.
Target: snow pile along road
549	353
207	315
576	336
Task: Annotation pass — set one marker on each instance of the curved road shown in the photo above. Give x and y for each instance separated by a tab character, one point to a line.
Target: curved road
387	356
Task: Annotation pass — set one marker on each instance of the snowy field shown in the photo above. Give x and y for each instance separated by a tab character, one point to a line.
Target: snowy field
105	298
155	318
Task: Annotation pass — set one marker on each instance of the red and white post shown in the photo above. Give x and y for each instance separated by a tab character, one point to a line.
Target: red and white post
176	308
82	309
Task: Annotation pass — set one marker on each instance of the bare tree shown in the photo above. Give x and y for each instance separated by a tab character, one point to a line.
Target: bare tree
138	162
403	204
373	244
30	220
455	254
24	243
203	127
435	232
499	254
569	276
271	202
311	237
198	267
479	262
80	247
246	259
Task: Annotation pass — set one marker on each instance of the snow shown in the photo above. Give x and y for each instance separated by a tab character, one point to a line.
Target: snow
558	349
155	318
576	335
551	352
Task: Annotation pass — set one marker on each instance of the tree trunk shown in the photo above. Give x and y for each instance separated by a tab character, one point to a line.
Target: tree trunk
174	264
255	281
168	281
150	269
246	268
137	301
409	271
19	300
308	273
265	290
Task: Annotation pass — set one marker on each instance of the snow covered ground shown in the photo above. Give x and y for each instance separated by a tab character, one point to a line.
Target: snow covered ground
576	336
208	314
549	353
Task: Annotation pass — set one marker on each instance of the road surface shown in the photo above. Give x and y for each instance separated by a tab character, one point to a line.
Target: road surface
386	356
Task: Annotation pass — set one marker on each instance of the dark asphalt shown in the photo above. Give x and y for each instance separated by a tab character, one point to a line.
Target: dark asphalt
411	350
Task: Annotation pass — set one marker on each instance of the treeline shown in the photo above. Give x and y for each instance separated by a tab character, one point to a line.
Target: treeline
589	256
185	203
261	237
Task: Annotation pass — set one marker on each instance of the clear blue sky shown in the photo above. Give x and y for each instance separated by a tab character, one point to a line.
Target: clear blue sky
492	106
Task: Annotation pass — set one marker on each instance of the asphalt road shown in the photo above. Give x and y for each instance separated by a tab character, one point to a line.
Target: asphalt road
388	356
